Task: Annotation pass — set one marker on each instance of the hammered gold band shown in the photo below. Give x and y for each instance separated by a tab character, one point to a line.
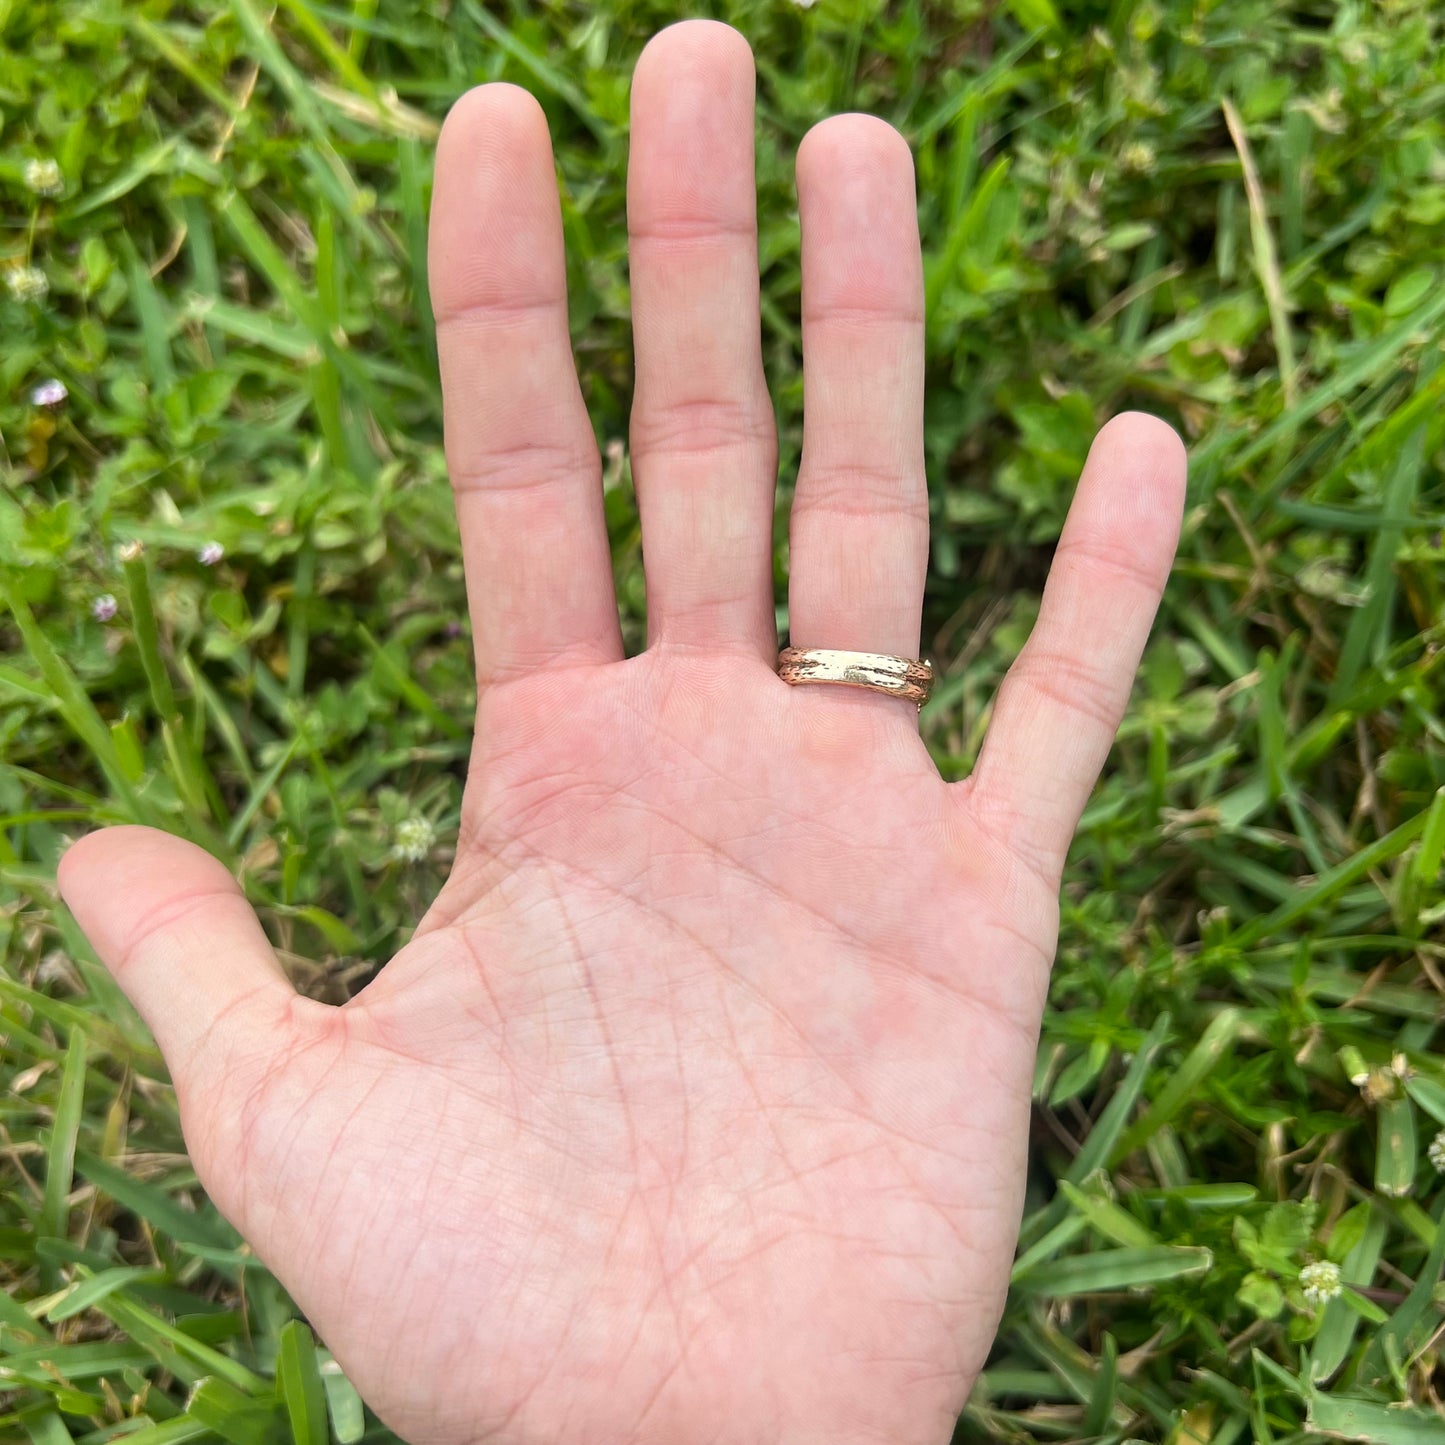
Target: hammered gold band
903	677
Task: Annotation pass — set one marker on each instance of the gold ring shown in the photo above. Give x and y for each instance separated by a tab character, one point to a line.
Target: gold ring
905	677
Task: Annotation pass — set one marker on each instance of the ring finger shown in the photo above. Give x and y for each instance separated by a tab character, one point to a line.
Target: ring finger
859	529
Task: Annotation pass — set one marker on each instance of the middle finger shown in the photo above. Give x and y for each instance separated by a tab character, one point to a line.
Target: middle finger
704	450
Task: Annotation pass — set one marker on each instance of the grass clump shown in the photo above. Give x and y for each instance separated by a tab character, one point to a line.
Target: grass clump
234	596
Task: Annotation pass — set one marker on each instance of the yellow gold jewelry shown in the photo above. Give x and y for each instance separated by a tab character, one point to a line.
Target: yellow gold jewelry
905	677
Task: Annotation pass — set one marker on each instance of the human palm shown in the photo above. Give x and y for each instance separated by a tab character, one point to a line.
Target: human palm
695	1110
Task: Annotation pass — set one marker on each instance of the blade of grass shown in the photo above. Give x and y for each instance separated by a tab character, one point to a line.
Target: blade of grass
1266	260
90	1290
236	1416
155	1206
1330	885
60	1156
1216	1040
1108	1220
1113	1269
348	1419
1355	1419
298	1377
183	1355
550	77
1340	1323
1369	630
1396	1151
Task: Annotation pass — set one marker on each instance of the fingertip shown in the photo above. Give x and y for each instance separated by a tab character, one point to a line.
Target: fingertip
495	145
1148	438
496	114
693	68
850	142
1131	493
124	848
495	233
861	259
692	120
174	928
110	876
712	43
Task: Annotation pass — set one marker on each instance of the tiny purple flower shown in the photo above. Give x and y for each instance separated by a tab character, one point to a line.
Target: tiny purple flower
210	553
51	392
103	608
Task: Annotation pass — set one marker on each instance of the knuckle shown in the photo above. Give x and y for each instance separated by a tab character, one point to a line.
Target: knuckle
861	489
1111	560
529	464
700	426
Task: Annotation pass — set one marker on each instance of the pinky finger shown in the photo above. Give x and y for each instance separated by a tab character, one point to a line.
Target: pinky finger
1061	703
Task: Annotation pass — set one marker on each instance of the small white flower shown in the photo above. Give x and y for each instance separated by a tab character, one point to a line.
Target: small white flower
412	839
210	553
805	4
131	551
43	176
27	283
1138	157
1320	1281
1436	1152
103	608
49	393
614	457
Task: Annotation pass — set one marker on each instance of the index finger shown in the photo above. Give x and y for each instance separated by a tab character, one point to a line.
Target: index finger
523	461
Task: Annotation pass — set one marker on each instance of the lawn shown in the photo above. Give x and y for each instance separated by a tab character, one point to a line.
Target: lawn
232	601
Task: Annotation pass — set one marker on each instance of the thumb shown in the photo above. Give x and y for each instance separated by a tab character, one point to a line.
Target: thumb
174	928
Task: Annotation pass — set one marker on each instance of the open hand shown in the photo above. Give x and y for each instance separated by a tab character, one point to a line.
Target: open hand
696	1109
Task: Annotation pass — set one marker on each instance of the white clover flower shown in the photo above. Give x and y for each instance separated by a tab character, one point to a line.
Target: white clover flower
412	839
1436	1152
1138	157
27	283
131	551
1320	1281
103	608
43	176
210	553
51	392
804	4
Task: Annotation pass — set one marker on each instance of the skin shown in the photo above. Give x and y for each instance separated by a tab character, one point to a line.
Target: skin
696	1109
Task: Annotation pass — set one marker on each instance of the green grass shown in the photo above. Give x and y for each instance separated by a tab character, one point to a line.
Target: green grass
1229	214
